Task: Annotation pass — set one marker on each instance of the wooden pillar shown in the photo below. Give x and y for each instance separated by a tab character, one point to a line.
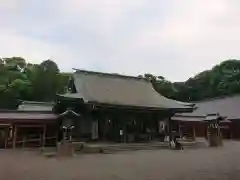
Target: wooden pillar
179	130
169	131
104	128
194	132
94	124
6	138
206	130
14	136
44	135
23	141
231	131
57	134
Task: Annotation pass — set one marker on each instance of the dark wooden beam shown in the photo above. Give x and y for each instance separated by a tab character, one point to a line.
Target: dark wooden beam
14	136
44	135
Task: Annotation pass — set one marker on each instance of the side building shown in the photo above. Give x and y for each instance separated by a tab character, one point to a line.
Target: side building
193	125
33	124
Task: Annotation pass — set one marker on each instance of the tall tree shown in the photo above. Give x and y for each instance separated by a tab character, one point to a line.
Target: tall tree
49	66
47	81
15	62
25	81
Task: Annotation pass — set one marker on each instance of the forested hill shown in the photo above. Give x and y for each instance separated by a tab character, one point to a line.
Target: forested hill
20	80
222	80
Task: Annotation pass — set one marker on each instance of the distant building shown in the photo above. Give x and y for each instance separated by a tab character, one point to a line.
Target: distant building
226	107
33	124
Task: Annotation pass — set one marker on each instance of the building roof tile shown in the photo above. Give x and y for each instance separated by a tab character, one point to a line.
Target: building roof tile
35	106
115	89
226	107
17	115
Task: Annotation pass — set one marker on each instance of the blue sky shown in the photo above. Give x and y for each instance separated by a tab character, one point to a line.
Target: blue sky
174	38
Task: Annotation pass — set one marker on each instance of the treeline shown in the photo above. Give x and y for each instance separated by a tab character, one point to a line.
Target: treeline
20	80
222	80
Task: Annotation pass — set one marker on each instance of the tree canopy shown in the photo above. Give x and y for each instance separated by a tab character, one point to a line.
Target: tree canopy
223	79
20	80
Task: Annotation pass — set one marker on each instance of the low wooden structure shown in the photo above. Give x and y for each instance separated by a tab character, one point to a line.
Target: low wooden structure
190	127
28	128
194	125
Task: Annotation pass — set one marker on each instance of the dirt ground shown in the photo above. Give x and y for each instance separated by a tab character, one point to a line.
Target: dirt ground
201	164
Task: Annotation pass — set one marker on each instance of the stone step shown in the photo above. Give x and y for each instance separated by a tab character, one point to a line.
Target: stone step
135	145
114	148
132	147
111	150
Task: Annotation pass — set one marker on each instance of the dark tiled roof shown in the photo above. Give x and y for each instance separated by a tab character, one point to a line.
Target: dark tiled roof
122	90
227	107
35	106
188	118
17	115
179	117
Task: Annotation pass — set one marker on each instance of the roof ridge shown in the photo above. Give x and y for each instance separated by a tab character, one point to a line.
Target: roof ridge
188	115
110	74
36	103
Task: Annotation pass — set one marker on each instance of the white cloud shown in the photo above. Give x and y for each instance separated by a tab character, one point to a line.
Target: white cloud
101	14
175	39
199	33
35	51
9	5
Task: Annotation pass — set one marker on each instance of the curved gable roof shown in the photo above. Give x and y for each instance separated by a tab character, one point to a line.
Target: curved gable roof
115	89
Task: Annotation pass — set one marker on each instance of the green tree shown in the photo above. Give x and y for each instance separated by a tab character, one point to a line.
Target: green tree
161	85
49	66
25	81
15	62
40	82
221	80
47	81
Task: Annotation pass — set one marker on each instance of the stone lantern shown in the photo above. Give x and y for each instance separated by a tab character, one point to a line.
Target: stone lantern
68	123
65	147
213	129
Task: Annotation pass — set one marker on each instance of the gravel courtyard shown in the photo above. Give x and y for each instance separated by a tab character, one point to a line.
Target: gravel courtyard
201	164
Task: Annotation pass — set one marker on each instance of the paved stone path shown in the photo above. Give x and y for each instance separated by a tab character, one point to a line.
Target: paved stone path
192	164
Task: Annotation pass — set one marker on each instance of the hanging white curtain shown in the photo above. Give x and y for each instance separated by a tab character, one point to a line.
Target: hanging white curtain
95	129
